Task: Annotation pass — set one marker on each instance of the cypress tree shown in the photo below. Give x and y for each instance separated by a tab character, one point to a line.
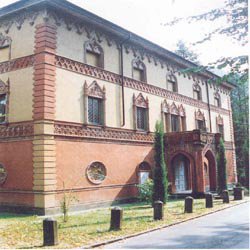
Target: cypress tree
222	167
160	171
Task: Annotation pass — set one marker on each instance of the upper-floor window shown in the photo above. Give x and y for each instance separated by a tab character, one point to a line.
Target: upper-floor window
139	70
217	99
197	92
220	126
3	101
140	105
94	54
94	99
172	83
5	45
174	118
200	120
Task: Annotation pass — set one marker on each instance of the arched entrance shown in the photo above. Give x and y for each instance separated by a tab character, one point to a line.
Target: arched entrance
210	172
181	169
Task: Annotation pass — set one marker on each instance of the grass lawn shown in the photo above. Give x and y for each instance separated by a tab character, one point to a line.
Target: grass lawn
93	226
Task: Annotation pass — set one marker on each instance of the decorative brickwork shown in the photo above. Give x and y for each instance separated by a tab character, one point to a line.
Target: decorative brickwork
16	64
16	130
124	135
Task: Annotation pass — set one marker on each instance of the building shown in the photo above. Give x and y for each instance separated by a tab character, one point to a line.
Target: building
79	99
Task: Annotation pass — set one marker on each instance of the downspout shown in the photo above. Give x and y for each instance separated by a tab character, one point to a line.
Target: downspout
122	78
209	110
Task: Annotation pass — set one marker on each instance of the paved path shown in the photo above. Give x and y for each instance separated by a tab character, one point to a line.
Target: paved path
225	229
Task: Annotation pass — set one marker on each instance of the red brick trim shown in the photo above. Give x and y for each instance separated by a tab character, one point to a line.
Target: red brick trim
98	73
44	72
16	64
76	130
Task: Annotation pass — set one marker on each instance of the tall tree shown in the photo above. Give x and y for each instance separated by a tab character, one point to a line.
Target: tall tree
222	167
240	106
160	171
183	51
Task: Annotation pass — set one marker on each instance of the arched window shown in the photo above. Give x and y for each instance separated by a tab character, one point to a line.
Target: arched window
5	48
4	90
197	92
172	83
144	172
139	70
96	172
141	116
217	99
200	120
94	54
94	100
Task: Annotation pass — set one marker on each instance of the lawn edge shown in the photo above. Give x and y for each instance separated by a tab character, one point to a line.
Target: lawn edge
103	243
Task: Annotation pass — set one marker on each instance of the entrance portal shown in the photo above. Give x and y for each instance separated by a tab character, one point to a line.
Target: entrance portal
210	174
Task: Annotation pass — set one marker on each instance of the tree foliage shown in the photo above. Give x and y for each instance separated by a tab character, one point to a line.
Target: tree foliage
222	167
183	51
240	106
236	27
160	171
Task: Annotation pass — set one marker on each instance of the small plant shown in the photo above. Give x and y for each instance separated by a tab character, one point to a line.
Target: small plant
146	191
67	199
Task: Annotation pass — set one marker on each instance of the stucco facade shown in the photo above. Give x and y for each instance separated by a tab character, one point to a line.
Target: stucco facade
46	138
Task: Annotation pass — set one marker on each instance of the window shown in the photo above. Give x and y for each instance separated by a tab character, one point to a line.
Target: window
96	172
201	125
217	100
139	70
197	92
183	123
221	130
94	110
140	106
94	100
3	101
94	54
175	126
172	83
141	118
144	172
5	45
200	120
3	174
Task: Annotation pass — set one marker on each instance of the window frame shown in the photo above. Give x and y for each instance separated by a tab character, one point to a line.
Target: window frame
5	42
4	91
137	64
197	90
171	79
94	48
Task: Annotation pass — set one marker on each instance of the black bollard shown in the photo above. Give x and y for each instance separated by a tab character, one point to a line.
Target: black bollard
238	193
209	200
225	196
50	234
116	218
158	210
189	201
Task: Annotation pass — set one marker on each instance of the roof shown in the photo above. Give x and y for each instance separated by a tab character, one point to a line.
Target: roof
78	12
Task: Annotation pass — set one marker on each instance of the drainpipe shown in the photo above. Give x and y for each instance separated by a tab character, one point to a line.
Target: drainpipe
122	76
209	110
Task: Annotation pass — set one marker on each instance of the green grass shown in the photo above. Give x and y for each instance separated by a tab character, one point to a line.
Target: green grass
93	226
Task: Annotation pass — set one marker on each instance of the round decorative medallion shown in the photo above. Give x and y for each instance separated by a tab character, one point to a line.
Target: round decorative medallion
96	172
3	174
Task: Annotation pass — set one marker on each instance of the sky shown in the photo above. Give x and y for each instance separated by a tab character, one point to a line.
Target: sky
147	18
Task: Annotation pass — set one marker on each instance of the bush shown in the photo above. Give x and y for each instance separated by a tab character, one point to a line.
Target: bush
146	191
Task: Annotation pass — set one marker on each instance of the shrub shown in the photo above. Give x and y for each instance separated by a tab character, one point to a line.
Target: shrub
222	167
146	191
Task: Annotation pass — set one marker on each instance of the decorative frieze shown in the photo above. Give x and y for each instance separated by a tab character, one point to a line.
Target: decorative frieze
16	64
98	133
16	130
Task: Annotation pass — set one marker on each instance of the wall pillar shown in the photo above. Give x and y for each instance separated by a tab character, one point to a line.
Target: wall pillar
199	171
44	147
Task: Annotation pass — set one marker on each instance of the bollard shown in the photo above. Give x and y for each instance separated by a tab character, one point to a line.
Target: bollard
116	218
189	201
238	193
158	210
50	234
225	196
209	200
